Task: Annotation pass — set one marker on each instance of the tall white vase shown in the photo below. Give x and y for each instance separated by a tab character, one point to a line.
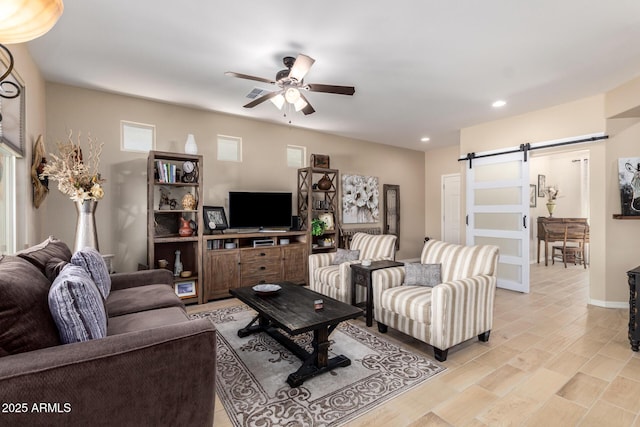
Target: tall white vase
190	147
86	233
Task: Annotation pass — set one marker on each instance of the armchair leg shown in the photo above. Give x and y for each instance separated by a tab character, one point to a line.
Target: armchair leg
484	337
441	355
382	328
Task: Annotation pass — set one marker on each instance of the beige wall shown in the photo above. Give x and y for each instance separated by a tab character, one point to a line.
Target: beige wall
121	215
438	162
28	228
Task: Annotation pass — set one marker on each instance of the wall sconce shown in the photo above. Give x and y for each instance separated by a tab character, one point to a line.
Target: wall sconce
21	21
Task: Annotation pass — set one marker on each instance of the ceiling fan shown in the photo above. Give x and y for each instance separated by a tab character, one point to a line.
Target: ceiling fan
290	83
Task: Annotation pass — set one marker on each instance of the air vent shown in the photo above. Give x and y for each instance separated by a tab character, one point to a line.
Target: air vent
256	92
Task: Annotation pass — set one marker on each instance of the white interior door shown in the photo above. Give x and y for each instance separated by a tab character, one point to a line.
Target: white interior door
451	208
497	214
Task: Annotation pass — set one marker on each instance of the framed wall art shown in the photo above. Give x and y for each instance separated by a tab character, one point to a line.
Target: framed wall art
360	199
542	183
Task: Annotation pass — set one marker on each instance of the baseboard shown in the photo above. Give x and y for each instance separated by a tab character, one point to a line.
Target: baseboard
609	304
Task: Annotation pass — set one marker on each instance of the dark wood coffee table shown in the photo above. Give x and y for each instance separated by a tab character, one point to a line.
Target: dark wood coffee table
361	276
292	310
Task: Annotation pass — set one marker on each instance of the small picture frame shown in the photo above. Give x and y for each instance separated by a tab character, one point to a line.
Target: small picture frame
327	218
214	219
533	200
542	183
320	161
186	289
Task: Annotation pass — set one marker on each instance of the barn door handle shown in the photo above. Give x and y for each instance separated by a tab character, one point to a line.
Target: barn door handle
524	221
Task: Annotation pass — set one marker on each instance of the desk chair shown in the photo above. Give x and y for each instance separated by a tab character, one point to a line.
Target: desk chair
573	246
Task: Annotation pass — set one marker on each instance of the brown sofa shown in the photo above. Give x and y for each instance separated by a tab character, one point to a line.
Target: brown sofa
154	367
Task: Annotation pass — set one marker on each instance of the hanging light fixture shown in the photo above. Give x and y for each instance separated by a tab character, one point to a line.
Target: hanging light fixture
21	21
24	20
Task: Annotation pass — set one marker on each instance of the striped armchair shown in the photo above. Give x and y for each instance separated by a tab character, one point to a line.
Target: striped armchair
447	314
335	280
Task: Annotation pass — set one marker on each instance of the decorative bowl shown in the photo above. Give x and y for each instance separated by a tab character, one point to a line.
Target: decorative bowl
266	289
186	273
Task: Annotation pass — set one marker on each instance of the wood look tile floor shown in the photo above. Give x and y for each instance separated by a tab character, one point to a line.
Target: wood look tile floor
552	360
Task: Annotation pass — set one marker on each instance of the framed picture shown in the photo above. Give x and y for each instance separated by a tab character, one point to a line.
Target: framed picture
320	161
327	218
186	289
533	200
214	219
542	183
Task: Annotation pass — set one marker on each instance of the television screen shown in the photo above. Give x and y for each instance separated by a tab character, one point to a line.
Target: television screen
259	209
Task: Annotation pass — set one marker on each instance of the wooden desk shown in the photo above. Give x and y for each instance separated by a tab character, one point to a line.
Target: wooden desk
551	229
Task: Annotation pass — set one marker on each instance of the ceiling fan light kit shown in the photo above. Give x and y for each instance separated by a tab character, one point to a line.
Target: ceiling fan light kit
290	83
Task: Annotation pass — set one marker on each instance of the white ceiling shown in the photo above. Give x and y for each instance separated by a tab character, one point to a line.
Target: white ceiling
420	68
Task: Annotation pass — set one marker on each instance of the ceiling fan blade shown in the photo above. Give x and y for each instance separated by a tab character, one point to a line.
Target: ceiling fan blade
308	109
301	67
263	98
340	90
248	77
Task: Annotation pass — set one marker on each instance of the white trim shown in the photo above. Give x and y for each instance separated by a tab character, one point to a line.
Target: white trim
608	304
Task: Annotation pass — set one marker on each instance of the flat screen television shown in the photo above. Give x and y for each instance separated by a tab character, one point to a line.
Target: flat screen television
259	210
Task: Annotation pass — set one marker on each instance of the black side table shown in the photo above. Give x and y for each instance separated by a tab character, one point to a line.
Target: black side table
634	304
361	276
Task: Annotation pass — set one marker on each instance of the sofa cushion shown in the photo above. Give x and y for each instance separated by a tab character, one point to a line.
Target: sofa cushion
25	321
93	263
417	274
410	302
146	320
77	306
53	267
345	255
141	298
39	254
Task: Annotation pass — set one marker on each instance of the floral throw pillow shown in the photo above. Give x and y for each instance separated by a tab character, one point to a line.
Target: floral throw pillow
417	274
344	255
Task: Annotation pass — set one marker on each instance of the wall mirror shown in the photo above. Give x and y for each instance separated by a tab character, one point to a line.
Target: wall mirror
391	217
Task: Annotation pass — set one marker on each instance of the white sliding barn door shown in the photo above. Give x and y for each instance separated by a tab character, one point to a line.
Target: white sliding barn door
497	214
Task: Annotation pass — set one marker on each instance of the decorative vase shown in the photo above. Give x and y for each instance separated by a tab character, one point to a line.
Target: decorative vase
550	207
177	265
324	183
185	229
188	202
86	233
190	146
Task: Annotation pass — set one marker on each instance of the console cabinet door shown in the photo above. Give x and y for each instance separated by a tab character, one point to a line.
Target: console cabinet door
294	263
221	272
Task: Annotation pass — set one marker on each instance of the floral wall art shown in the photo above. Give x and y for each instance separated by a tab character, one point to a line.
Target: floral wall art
360	199
629	178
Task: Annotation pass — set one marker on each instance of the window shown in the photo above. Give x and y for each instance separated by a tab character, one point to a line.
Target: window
7	202
296	156
229	148
137	137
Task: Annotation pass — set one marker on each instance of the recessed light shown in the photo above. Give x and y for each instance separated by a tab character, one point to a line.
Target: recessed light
499	103
425	139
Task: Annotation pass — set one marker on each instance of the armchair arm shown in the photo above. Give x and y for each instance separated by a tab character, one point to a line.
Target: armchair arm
461	309
161	376
381	280
316	261
141	278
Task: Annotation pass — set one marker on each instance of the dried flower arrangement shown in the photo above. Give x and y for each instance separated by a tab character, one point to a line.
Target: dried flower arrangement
76	177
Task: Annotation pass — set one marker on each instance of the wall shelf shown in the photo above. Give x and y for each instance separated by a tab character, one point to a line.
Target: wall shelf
620	216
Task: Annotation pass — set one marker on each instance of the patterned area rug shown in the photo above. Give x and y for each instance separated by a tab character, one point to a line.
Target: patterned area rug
252	373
